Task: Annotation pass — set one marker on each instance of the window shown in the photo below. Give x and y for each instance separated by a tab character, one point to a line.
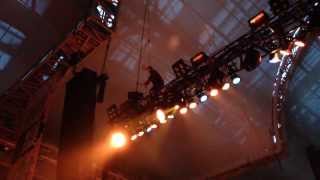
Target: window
39	6
10	35
4	60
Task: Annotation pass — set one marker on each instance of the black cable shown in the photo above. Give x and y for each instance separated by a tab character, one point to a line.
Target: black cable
141	45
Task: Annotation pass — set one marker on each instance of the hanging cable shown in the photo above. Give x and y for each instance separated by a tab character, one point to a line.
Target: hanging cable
141	44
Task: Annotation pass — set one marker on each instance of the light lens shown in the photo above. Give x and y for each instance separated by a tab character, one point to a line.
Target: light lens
203	98
226	86
236	80
193	105
118	140
171	116
141	133
134	137
183	110
214	92
176	107
161	116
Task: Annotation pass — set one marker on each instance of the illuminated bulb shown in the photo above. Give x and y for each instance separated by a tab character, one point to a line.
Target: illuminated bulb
299	44
274	139
236	80
160	115
203	98
275	59
183	110
226	86
214	92
141	133
154	126
118	140
193	105
176	107
171	116
163	122
134	137
149	129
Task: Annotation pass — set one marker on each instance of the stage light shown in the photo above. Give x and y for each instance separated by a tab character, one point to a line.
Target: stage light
171	116
118	140
183	110
299	44
258	20
161	116
214	92
154	126
176	107
193	105
199	59
203	98
235	79
115	2
149	129
275	58
226	86
163	121
274	139
134	137
252	60
141	133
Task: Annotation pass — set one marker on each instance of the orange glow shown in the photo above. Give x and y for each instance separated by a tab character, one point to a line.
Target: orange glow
257	18
118	140
176	107
192	105
226	86
183	110
214	92
161	116
198	57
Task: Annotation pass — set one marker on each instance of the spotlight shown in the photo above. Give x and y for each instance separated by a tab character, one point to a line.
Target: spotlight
226	86
141	133
149	129
258	20
203	98
214	92
118	140
275	58
274	139
154	126
235	79
183	110
163	121
134	137
252	59
171	116
161	116
176	107
299	44
193	105
199	59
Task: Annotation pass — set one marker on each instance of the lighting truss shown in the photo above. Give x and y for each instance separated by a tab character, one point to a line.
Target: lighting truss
257	43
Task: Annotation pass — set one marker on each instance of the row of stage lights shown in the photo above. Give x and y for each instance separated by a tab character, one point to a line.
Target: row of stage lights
119	139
